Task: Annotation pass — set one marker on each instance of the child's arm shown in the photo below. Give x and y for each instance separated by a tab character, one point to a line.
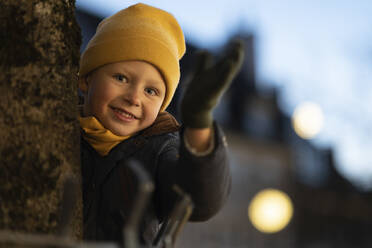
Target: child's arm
200	164
209	82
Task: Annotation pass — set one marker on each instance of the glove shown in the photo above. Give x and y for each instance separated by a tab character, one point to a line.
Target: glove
208	83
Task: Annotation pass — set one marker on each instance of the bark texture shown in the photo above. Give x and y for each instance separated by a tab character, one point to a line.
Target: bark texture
39	134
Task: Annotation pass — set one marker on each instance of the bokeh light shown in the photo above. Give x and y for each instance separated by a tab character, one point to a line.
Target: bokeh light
270	210
307	120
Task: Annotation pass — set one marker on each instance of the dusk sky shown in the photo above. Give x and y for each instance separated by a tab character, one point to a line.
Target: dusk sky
317	51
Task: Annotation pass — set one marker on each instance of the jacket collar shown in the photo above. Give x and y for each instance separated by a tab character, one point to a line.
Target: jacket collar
164	123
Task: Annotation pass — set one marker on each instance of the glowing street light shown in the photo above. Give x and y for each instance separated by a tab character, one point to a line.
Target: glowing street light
307	120
270	210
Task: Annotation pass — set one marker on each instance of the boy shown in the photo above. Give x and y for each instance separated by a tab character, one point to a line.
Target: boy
128	75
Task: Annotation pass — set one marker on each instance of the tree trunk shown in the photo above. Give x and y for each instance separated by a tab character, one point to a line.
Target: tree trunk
39	134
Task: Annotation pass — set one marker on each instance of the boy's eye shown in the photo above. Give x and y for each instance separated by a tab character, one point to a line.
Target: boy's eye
151	91
120	78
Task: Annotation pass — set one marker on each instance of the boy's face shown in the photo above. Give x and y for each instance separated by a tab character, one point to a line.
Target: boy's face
125	97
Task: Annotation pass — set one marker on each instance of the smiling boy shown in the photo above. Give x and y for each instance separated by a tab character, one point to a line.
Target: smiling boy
128	75
125	96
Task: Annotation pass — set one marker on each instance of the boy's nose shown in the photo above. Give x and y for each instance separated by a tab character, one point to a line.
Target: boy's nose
132	96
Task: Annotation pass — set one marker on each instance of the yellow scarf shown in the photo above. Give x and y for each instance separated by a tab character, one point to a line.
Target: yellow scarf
100	138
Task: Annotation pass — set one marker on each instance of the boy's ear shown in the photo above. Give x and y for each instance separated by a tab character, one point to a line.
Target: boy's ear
83	84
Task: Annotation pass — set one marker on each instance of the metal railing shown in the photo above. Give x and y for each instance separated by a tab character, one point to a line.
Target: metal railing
165	238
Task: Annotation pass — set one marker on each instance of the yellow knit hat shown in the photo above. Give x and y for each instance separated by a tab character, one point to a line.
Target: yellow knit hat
139	32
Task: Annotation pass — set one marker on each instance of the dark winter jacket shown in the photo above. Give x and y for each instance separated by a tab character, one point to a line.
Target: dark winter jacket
108	187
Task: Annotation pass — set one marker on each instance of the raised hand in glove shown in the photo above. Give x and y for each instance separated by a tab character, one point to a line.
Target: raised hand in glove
210	80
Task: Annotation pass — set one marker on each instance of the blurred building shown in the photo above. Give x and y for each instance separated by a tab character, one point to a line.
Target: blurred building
265	152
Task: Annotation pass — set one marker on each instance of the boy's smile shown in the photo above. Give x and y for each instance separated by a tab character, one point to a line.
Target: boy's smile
125	96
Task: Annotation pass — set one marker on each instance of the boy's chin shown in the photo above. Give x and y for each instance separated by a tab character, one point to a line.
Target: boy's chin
125	131
128	130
